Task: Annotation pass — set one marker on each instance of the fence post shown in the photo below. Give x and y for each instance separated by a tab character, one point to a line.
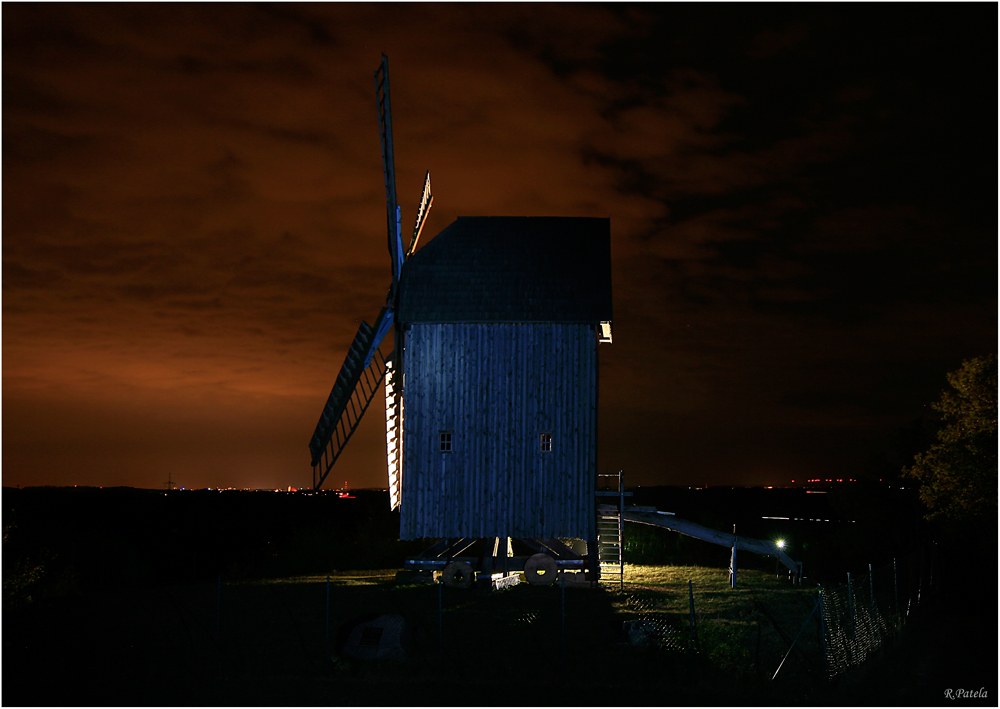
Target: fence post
562	576
218	606
932	557
732	561
822	631
850	605
895	593
921	557
756	660
691	619
218	615
929	553
326	642
871	585
440	624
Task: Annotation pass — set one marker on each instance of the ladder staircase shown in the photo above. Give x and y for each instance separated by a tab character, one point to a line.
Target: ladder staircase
610	538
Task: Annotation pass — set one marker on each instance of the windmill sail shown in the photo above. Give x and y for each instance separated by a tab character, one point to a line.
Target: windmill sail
394	388
393	435
389	169
426	200
365	367
363	370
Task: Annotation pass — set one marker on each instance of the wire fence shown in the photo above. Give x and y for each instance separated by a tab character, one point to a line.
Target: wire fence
750	638
866	613
803	636
652	639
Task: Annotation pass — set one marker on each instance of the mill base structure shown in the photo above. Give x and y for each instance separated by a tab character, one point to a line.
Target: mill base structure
486	563
491	562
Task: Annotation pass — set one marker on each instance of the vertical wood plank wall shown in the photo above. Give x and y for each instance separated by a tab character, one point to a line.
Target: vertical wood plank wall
497	388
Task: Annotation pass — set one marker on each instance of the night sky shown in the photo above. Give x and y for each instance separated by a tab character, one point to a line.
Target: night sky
803	205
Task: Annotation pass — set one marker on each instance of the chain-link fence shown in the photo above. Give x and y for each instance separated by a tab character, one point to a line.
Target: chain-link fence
863	615
751	638
374	637
789	638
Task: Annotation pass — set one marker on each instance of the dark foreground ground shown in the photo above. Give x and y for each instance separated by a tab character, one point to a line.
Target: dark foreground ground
264	644
154	600
950	648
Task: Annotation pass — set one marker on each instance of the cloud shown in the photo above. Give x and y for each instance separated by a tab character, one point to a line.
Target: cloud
771	42
194	212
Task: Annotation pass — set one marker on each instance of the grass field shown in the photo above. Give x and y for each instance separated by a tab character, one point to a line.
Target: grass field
281	642
94	615
276	642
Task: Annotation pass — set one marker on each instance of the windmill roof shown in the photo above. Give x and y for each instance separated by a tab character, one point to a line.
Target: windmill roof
511	269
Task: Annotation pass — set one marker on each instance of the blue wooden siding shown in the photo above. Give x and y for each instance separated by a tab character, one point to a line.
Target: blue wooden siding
497	388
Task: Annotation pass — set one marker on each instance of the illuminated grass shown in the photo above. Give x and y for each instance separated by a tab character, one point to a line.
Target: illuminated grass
732	626
675	577
735	628
341	578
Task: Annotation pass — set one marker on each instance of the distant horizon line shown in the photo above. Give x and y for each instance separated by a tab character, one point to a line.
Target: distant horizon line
793	485
190	489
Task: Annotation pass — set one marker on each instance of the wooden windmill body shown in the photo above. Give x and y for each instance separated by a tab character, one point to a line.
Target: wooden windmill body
491	388
502	317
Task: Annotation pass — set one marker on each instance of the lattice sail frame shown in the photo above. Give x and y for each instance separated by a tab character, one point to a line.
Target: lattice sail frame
355	388
393	434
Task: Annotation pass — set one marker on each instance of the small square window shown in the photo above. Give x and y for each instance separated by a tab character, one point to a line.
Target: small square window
445	441
546	443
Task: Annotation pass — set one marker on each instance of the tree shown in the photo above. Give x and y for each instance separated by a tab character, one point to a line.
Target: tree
958	475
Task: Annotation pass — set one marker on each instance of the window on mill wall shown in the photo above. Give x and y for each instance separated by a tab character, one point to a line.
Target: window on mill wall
445	441
546	443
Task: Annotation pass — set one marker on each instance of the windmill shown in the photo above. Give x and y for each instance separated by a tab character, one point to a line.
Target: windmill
491	425
496	324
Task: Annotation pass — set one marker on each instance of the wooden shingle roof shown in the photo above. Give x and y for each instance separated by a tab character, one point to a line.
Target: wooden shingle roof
511	269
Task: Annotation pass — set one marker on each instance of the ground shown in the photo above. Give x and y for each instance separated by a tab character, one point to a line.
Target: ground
266	643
